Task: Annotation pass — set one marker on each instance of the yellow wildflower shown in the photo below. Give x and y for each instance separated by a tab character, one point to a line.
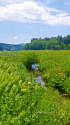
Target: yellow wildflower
34	78
24	90
36	73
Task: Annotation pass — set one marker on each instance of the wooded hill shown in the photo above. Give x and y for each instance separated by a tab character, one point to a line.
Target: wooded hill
53	43
10	47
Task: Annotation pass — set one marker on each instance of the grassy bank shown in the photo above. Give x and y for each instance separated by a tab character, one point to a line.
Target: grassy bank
25	102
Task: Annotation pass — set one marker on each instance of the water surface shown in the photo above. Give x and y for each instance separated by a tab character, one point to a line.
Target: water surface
39	78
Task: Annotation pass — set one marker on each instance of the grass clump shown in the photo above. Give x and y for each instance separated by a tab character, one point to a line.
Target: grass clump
29	58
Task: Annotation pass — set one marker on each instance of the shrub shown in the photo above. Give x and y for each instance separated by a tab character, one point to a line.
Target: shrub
29	59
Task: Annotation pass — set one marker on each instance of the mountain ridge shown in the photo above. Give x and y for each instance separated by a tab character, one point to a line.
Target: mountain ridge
11	47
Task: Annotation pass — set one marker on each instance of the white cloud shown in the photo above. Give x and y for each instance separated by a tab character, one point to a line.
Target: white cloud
30	11
15	38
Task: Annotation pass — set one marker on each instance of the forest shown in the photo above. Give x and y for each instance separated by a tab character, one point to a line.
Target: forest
10	47
53	43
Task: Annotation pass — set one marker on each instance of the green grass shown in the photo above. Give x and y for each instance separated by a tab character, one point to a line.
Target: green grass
25	102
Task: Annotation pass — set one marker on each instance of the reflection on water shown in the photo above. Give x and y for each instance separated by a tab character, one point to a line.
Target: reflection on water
35	66
39	78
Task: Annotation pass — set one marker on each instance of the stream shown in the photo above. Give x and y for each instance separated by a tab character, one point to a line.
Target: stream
39	78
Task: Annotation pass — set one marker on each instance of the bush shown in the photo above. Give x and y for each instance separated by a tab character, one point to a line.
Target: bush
29	58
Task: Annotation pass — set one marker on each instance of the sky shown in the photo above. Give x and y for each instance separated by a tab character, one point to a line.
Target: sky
22	20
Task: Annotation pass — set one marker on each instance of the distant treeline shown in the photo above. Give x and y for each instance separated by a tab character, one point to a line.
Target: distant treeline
53	43
10	47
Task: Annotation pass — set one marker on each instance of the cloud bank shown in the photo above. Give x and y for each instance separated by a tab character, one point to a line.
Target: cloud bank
31	11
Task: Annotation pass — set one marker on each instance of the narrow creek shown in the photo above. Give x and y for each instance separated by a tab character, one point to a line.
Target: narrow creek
39	80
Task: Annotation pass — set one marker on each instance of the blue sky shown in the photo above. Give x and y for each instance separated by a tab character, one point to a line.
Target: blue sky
22	20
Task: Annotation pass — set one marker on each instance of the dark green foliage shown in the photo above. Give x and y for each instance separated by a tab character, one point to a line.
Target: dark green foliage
53	43
29	58
35	45
1	49
9	47
66	40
